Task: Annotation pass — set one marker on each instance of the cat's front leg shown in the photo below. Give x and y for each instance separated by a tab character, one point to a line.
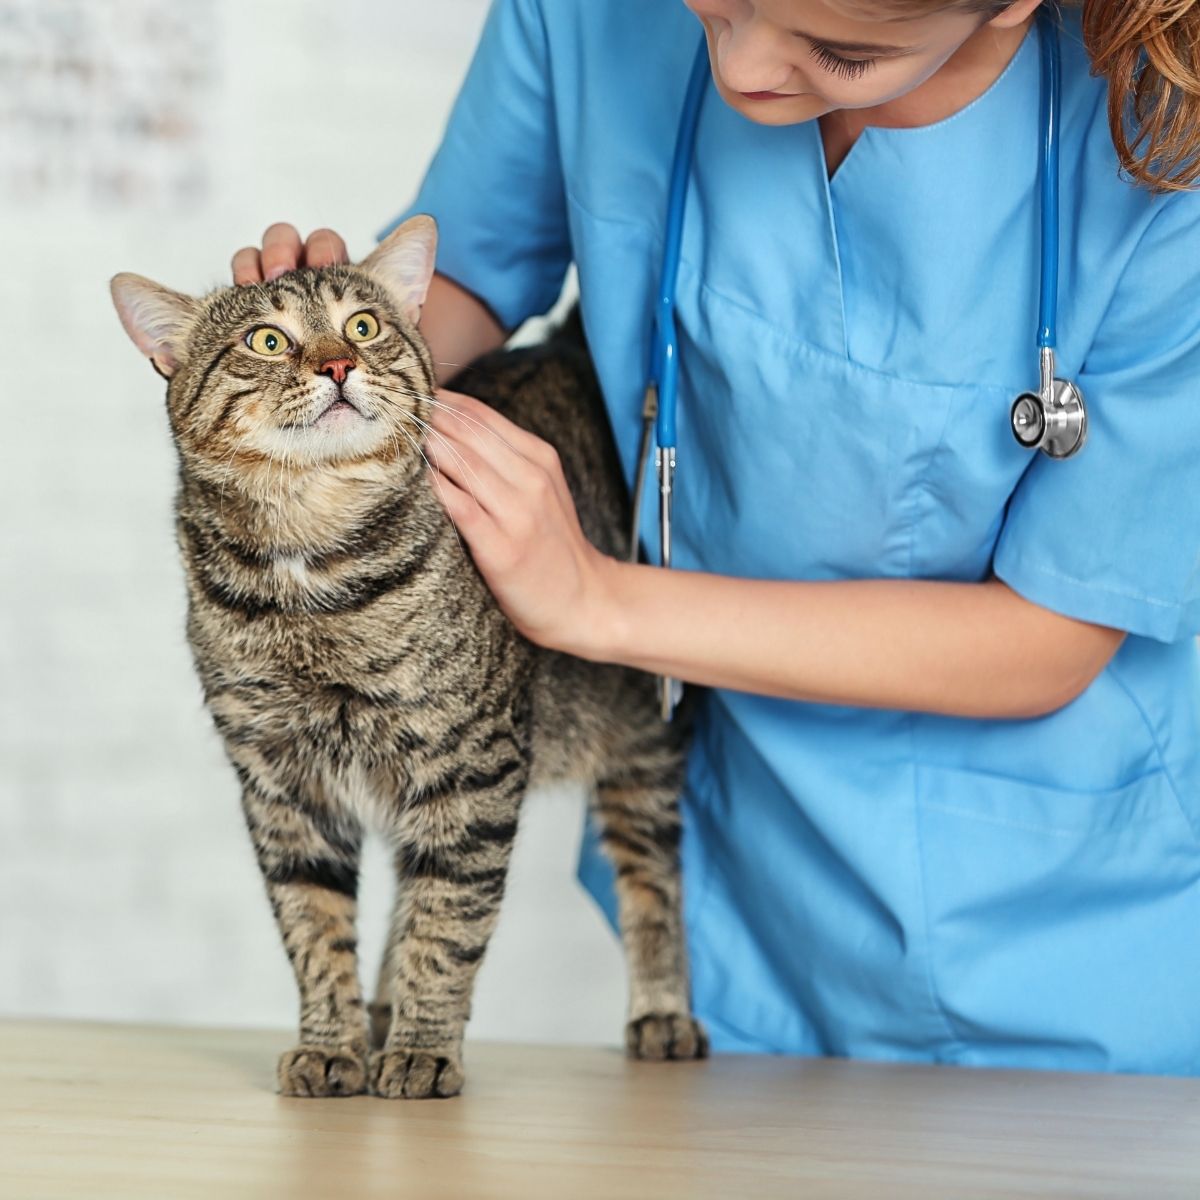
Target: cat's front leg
452	861
310	866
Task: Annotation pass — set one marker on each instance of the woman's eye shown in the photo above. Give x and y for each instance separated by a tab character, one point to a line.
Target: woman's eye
268	340
362	327
846	68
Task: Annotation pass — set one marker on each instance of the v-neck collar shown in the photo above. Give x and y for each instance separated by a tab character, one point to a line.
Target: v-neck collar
1029	43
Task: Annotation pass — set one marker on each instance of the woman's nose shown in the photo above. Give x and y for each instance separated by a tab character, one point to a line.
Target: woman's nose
748	59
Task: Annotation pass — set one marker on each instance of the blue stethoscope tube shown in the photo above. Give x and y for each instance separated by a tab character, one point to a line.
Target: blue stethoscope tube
1051	93
664	360
663	374
1053	419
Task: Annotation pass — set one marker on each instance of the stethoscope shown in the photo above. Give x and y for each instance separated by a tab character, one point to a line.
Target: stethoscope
1052	419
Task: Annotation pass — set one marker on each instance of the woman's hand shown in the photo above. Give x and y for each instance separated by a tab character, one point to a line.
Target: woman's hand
283	251
504	489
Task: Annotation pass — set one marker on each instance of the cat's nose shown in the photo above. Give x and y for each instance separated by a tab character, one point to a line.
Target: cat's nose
336	368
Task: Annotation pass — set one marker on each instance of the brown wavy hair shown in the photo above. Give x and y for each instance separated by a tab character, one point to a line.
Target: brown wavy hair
1149	52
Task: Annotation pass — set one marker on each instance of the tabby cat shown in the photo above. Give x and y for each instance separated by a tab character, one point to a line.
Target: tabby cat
361	673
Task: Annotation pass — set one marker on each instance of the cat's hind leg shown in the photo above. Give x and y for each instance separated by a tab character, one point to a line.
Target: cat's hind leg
310	867
636	806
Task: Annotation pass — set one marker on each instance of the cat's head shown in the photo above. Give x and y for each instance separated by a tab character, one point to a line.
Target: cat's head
313	368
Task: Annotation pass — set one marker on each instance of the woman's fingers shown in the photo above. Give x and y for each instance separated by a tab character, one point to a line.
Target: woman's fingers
453	425
531	461
465	512
280	250
473	431
467	417
247	265
474	414
504	484
323	248
475	473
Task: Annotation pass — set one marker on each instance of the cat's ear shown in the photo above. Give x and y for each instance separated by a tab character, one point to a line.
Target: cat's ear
156	318
403	263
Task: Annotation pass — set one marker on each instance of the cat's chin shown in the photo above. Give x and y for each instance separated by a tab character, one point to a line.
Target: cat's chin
339	413
339	433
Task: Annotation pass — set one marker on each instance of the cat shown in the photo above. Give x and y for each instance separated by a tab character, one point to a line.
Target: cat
362	676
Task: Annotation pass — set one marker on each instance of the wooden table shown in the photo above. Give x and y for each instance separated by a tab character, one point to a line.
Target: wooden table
127	1111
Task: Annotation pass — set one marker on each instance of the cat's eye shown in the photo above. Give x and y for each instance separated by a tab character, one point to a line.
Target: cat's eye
268	340
362	327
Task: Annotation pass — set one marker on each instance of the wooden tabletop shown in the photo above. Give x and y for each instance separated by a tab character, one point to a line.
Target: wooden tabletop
129	1111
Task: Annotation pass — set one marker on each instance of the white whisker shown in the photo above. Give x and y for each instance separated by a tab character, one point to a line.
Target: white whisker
414	417
464	417
426	426
428	466
431	432
227	470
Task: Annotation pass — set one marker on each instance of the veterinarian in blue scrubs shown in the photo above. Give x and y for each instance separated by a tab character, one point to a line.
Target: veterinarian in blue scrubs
867	872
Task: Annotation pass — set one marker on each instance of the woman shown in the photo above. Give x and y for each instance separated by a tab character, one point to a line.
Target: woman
944	800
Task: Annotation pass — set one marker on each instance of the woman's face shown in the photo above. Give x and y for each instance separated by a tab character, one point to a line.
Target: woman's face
780	62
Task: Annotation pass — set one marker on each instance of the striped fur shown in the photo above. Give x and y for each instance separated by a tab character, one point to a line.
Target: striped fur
362	677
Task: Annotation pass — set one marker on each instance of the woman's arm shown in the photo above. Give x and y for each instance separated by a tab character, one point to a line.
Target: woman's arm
961	649
457	326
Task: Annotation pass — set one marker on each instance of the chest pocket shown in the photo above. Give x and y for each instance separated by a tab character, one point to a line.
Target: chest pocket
795	462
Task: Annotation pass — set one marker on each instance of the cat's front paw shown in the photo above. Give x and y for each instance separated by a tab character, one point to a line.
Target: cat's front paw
322	1071
661	1036
415	1075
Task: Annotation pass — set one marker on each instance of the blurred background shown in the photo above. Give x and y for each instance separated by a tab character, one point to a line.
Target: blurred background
159	137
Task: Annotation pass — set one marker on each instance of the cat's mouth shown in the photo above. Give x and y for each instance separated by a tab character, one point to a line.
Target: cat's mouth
339	409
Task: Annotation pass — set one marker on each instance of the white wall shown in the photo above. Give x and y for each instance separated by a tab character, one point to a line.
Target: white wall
128	889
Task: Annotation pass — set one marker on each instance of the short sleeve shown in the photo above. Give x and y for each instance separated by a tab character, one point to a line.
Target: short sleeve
495	184
1112	534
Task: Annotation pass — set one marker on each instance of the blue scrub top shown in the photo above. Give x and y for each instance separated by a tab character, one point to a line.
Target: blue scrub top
873	882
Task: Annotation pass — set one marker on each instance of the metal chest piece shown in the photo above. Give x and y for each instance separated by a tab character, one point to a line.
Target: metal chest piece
1053	420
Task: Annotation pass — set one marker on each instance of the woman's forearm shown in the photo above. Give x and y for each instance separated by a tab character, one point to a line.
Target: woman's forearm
962	649
458	327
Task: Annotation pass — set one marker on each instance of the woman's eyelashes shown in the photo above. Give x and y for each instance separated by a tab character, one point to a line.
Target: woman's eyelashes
835	64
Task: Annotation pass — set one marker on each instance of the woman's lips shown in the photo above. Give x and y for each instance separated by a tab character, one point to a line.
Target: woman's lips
768	95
